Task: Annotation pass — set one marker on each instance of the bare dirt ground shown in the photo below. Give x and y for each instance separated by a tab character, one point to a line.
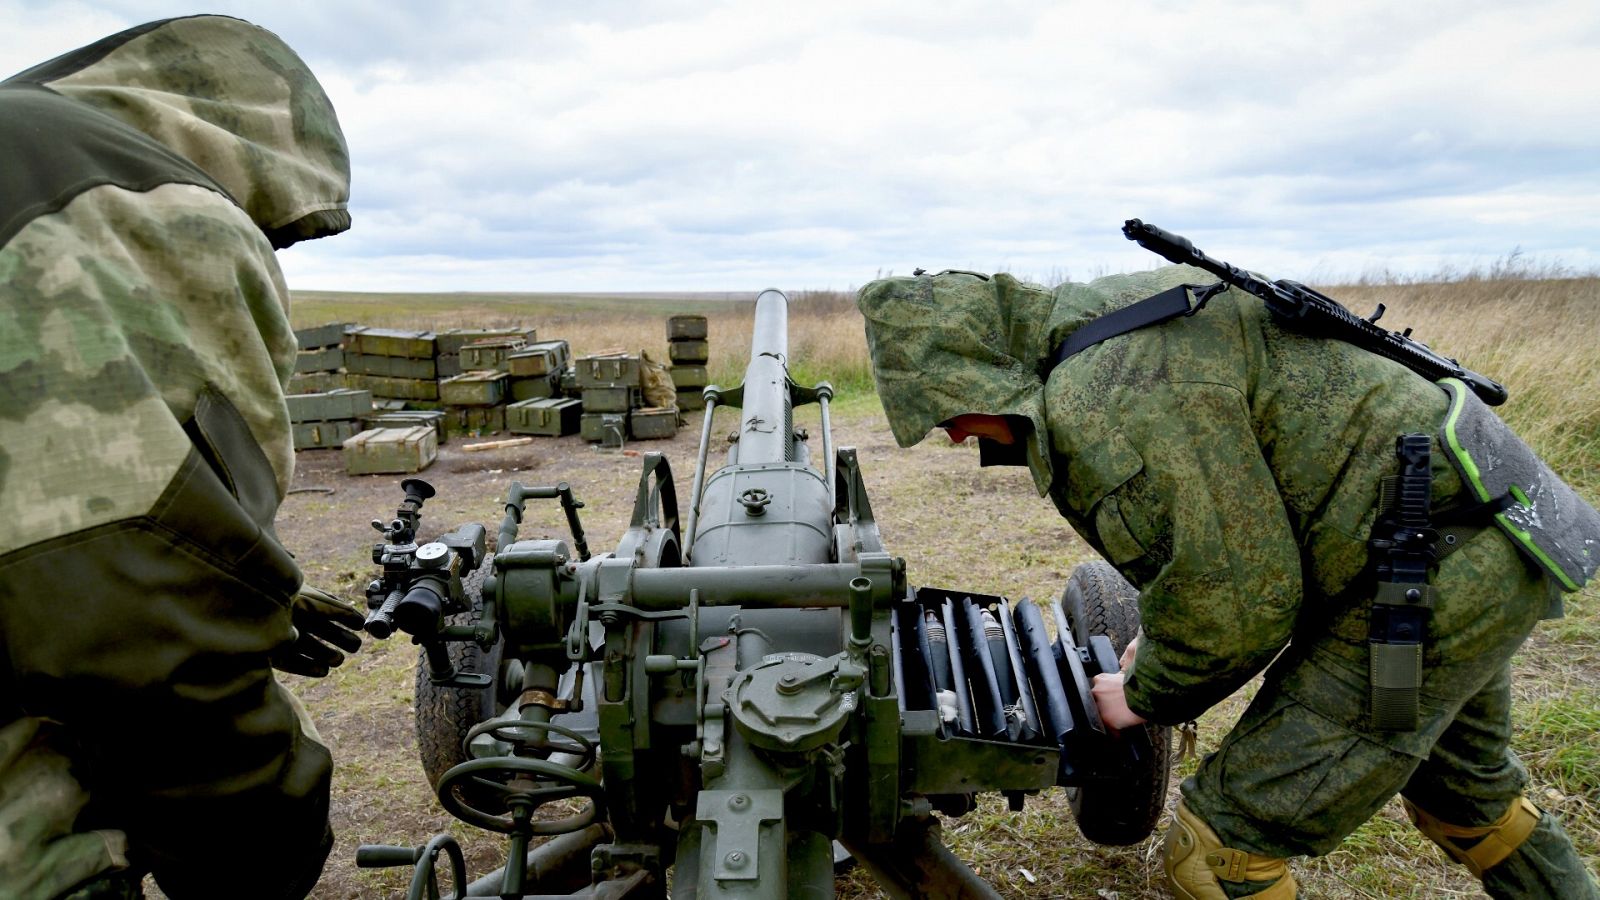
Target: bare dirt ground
956	524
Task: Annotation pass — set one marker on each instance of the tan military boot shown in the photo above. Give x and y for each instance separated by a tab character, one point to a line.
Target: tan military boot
1196	863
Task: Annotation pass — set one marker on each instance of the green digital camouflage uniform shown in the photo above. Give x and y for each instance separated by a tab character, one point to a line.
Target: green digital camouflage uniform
1230	469
144	448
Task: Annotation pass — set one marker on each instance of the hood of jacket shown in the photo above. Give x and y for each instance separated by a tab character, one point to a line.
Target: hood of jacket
960	342
231	98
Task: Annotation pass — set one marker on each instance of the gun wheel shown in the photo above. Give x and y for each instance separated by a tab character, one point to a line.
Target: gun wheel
445	714
1099	601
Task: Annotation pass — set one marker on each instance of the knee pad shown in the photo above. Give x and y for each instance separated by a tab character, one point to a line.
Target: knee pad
1478	847
1195	863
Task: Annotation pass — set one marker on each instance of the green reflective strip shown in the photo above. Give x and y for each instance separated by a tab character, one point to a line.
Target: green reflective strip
1458	400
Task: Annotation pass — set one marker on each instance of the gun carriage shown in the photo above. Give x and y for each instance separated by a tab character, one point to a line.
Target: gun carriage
735	689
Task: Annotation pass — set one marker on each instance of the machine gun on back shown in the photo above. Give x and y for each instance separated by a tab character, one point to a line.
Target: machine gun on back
732	696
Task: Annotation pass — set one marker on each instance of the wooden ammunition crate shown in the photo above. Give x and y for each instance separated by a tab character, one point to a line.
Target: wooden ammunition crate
478	388
653	422
385	451
409	418
537	387
612	399
606	428
542	358
392	342
448	365
688	377
342	403
395	388
390	366
554	417
320	336
453	340
323	435
691	399
491	354
322	359
316	382
688	353
474	421
686	328
615	370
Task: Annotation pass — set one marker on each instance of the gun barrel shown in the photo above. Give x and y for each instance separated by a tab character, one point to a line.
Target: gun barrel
767	420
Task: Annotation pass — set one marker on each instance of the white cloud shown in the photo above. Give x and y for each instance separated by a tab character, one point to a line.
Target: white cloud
686	145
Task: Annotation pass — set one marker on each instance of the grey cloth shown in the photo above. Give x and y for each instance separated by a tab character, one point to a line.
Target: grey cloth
1549	523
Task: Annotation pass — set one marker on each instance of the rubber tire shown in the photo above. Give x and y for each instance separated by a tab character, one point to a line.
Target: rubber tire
444	714
1098	600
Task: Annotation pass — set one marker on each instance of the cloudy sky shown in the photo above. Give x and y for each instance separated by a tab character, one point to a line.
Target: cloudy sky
678	145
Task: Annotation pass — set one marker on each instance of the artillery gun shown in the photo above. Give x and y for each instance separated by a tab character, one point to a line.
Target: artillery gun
730	693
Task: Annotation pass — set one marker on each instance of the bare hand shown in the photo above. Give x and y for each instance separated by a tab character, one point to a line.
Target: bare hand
1129	651
1114	711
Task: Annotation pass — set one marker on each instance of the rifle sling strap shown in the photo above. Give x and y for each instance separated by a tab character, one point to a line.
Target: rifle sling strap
1153	310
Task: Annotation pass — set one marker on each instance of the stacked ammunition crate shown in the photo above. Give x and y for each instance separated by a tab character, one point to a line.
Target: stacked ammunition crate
327	420
475	401
321	356
688	350
609	383
538	406
453	341
393	364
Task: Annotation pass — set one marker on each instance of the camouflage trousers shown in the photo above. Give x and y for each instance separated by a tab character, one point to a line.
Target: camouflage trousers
1301	769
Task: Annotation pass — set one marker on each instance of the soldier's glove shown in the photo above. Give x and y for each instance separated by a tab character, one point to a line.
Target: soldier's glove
320	620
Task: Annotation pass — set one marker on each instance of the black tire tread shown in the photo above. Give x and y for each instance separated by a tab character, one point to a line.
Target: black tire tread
1098	600
444	714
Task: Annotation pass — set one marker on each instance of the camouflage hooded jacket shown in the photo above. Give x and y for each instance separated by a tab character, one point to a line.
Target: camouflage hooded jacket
144	448
1227	467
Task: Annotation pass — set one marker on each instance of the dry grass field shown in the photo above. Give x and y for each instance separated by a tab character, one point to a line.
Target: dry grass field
956	525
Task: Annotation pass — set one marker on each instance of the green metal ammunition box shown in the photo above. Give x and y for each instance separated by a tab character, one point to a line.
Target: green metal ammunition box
553	417
612	399
397	388
605	428
688	377
316	382
391	342
491	354
384	451
390	366
451	342
478	388
323	435
448	365
321	336
535	387
474	421
543	358
327	407
409	418
686	328
653	422
322	359
617	370
688	353
691	399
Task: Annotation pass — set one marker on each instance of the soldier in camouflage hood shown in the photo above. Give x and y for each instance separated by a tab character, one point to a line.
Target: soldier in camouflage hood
1230	469
144	449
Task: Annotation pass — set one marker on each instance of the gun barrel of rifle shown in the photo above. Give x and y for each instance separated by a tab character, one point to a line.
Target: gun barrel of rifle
766	422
